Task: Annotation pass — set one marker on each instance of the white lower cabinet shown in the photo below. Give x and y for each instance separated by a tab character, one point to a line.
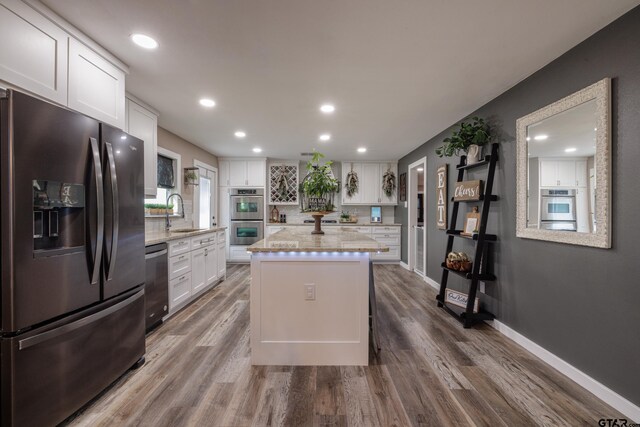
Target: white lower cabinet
195	265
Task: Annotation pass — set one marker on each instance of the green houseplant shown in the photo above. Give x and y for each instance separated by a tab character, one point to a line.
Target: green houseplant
469	138
318	190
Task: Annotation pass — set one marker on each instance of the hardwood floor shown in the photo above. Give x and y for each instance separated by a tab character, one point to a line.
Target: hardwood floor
430	372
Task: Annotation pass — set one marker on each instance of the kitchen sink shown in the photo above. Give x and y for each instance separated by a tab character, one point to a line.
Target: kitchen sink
186	230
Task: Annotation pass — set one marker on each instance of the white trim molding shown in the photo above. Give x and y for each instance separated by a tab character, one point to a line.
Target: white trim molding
596	388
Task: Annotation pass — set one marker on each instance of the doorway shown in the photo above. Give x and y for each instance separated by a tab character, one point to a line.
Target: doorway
417	231
204	212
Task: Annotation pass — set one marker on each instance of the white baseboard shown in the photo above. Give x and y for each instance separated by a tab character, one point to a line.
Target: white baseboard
404	265
599	390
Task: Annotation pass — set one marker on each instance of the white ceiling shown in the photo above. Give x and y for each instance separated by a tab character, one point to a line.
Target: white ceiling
399	72
574	128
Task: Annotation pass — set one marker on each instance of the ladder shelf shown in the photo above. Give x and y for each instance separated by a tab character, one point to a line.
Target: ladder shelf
481	239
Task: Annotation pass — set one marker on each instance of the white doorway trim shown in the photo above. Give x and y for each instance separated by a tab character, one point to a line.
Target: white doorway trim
214	190
412	216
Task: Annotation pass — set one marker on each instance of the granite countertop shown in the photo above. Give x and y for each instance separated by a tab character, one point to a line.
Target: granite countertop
334	240
155	237
335	224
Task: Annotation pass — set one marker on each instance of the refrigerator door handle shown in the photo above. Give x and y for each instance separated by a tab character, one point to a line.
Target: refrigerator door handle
46	336
95	273
115	211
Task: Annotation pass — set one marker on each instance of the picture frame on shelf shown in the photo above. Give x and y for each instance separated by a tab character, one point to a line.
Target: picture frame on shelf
471	223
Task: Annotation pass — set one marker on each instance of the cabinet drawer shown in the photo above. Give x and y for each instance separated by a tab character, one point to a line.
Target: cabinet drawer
179	290
387	239
363	230
239	253
393	254
385	230
203	240
177	247
222	236
179	265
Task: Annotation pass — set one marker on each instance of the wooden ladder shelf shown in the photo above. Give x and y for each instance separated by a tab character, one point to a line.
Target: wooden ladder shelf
482	240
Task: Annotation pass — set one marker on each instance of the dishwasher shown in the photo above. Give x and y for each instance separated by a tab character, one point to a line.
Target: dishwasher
156	286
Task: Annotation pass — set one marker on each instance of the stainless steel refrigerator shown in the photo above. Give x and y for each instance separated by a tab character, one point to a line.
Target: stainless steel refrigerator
72	256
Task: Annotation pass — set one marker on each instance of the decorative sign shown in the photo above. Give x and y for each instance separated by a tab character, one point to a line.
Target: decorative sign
471	223
468	190
402	187
441	193
460	299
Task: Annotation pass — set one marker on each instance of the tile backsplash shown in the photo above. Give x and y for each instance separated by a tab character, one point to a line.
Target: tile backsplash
152	224
294	216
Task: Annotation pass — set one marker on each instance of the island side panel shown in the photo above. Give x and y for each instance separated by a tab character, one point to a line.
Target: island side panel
288	329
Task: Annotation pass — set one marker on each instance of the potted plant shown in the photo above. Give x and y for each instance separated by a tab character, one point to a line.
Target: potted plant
318	189
470	138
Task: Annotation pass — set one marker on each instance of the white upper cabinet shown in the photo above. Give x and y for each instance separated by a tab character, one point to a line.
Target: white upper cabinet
370	190
96	86
563	172
242	172
143	124
33	52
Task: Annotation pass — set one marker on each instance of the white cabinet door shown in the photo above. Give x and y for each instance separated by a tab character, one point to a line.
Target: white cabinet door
370	184
211	263
222	260
384	199
223	173
237	173
198	271
256	173
33	52
96	86
223	213
143	124
567	173
179	291
549	173
581	173
357	197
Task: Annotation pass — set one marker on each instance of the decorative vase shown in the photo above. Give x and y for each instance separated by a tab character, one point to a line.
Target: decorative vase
474	154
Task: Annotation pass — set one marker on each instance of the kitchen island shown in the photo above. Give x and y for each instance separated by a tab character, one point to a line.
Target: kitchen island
310	298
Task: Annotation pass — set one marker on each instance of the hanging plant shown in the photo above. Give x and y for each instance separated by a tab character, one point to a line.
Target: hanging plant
352	182
283	183
389	182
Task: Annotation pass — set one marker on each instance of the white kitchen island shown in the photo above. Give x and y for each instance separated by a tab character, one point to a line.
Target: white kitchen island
310	298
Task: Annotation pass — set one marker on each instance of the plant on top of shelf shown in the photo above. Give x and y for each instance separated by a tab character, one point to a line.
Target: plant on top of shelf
470	137
319	186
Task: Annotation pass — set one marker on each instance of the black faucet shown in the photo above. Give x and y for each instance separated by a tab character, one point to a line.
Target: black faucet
168	223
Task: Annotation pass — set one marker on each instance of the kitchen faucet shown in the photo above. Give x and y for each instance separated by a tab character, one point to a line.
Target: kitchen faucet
168	222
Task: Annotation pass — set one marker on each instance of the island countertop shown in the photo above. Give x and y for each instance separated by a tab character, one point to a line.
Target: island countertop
334	240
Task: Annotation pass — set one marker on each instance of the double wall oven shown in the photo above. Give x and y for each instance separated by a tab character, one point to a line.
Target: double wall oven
558	209
247	216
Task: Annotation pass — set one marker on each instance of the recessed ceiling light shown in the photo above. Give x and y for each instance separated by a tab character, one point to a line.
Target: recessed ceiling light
528	138
570	150
327	108
117	151
362	150
595	128
325	137
420	169
144	41
257	150
240	134
206	102
540	137
123	137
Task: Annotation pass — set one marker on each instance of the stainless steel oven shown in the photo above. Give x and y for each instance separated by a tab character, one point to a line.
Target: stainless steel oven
558	205
246	232
247	204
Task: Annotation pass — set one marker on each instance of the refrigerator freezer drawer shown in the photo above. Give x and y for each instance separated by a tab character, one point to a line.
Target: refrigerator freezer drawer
51	372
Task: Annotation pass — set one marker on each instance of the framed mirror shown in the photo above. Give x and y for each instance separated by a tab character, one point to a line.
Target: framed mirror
564	170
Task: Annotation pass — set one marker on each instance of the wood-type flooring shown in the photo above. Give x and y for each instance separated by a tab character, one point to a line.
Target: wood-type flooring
430	372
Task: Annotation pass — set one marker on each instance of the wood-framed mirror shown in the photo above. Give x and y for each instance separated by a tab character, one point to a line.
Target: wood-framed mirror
564	170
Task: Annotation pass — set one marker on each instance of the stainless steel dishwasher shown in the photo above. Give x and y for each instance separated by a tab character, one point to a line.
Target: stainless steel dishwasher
156	286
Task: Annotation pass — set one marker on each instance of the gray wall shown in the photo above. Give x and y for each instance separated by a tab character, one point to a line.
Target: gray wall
579	303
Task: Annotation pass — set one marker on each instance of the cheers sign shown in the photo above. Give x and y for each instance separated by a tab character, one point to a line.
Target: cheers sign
468	190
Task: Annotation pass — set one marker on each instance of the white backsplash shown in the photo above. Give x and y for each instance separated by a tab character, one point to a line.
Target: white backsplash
158	223
294	216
